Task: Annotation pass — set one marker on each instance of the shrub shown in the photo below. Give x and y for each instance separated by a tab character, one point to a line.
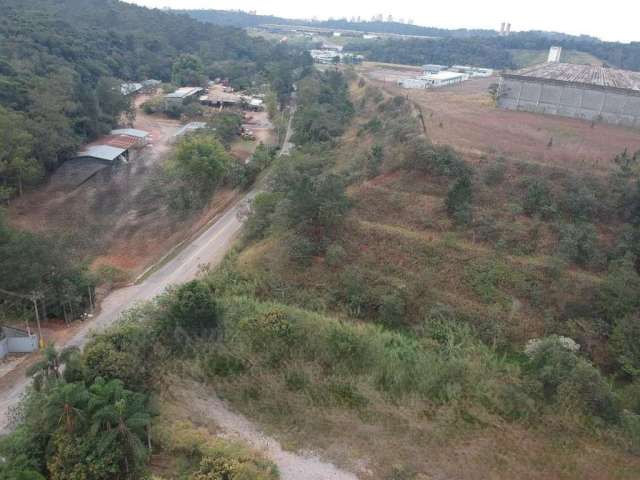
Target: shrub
335	255
495	173
625	344
458	201
221	364
190	308
346	348
392	309
260	217
538	199
437	160
619	293
579	244
354	292
568	379
580	201
126	352
273	334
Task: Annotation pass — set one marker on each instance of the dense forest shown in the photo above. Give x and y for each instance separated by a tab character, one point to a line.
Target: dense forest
61	67
491	51
459	46
60	70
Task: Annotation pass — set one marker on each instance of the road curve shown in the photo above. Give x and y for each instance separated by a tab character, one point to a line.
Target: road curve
209	248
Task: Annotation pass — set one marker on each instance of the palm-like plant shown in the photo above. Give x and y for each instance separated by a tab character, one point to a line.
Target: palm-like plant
121	418
48	369
67	405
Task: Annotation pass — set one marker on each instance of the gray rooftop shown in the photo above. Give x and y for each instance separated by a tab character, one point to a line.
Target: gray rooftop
581	74
184	92
132	132
102	152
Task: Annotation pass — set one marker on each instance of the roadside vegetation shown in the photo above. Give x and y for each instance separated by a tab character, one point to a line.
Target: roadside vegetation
391	305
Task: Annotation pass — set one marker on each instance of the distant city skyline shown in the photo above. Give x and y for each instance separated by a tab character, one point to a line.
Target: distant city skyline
617	22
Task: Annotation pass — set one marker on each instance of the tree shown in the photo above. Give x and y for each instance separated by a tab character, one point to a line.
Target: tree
188	70
579	243
17	163
48	369
67	406
119	419
538	199
619	293
625	344
458	201
192	308
375	161
199	164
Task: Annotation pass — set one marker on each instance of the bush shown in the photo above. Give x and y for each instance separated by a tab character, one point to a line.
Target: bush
625	344
579	244
495	173
619	294
458	201
190	308
335	255
570	380
221	364
434	159
392	309
125	352
538	199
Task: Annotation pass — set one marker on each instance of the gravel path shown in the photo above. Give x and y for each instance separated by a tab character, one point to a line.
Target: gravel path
204	403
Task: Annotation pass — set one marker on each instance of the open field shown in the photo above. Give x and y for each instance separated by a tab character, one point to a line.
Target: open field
465	117
525	58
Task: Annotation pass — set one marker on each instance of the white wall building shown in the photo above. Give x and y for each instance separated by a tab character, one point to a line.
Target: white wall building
442	79
554	54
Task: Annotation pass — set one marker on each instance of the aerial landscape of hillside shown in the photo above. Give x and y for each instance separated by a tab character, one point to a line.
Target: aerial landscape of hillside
246	247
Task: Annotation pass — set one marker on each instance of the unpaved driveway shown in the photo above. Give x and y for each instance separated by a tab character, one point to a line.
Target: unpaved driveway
203	403
209	248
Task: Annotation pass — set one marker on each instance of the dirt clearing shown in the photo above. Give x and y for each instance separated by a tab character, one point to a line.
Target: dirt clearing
465	117
203	407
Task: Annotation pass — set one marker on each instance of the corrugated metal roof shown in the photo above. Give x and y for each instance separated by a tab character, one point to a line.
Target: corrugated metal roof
132	132
189	127
129	88
584	74
184	92
102	152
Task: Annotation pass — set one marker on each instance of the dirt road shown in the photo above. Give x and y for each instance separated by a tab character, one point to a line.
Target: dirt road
204	404
207	249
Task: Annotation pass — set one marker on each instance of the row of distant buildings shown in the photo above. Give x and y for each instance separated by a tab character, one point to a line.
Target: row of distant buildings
434	76
217	95
589	92
331	54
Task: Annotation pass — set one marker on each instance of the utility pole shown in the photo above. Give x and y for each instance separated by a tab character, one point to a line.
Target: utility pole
34	297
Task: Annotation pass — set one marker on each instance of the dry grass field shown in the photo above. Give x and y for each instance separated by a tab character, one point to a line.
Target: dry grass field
465	117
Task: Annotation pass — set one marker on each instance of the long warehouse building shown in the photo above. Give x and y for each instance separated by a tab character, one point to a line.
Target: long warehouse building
578	91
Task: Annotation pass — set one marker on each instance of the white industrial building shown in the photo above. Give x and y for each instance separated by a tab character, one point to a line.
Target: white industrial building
433	68
445	78
472	71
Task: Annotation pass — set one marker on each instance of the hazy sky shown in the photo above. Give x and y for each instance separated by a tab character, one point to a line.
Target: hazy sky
617	20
